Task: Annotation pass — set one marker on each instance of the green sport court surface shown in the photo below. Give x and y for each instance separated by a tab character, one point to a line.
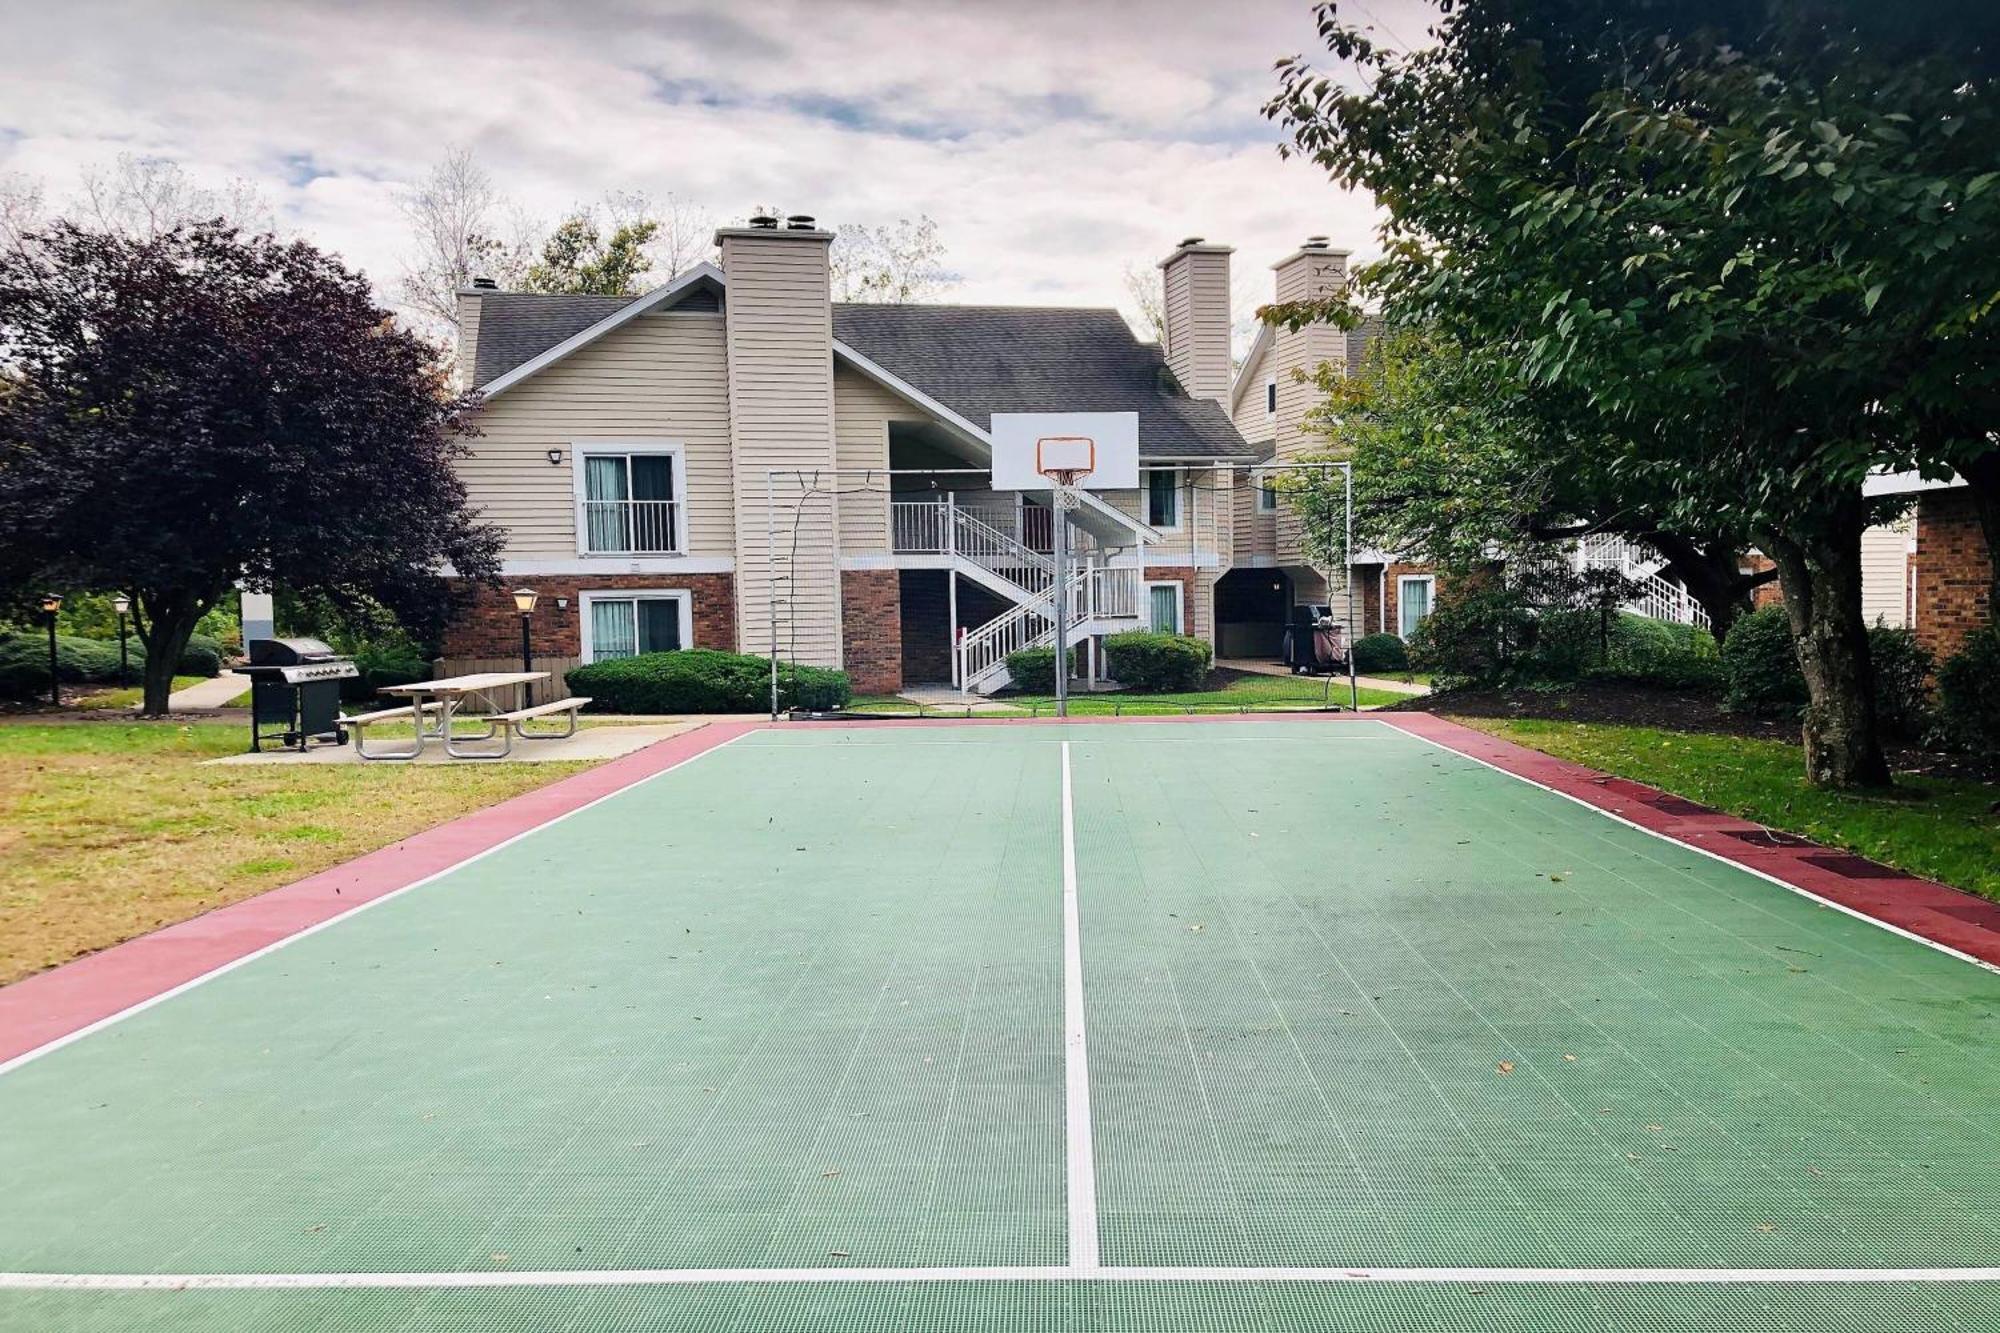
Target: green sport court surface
1257	1025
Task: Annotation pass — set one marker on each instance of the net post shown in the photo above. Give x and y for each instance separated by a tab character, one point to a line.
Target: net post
1347	516
1061	544
771	582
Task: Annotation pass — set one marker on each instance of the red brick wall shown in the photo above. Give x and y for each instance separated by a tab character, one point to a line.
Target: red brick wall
1392	594
1764	594
491	627
871	628
1953	571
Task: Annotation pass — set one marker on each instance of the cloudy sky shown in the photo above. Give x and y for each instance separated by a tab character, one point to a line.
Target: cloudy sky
1054	143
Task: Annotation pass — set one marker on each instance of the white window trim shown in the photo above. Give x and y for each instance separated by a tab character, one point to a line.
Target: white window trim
681	595
1180	602
1271	396
582	449
1405	580
1181	499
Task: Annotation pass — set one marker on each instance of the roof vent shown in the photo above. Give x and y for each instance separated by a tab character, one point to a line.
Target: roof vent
1314	243
485	285
799	222
764	222
1186	241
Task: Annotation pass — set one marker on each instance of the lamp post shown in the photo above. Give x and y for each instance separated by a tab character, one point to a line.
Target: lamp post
51	604
122	604
524	602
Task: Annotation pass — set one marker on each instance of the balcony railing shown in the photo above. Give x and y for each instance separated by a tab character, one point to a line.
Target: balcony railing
631	527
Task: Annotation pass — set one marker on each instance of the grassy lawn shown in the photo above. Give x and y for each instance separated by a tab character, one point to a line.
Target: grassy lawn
127	696
1941	829
1238	691
109	830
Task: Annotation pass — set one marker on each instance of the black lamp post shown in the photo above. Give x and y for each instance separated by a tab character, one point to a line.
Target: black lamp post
524	602
122	604
52	603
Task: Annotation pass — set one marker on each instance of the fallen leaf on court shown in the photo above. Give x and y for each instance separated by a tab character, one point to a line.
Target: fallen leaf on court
829	1175
1568	1056
1766	1226
1654	1128
499	1258
1505	1066
317	1226
1631	1157
1197	926
836	1254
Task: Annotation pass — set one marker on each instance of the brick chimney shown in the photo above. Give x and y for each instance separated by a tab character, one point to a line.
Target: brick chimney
1195	310
1313	270
778	322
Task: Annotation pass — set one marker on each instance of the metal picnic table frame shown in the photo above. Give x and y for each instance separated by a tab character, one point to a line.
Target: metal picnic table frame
450	693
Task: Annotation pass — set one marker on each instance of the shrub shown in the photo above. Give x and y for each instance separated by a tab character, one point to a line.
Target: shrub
1475	635
381	667
24	663
1661	655
1903	670
1145	660
1760	667
1377	653
201	657
704	680
1968	695
1033	670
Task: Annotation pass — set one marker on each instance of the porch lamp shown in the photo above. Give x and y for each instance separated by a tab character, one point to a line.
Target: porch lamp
122	604
524	602
51	604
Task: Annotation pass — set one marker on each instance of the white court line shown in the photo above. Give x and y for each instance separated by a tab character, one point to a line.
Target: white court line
1081	1184
1670	839
58	1043
686	1277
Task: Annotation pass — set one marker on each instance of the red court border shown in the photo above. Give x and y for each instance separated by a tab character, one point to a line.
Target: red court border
55	1004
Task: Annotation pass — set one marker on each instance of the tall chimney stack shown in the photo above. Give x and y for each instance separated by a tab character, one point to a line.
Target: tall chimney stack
1195	310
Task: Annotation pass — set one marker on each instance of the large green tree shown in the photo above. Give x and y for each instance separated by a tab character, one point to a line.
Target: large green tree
193	410
579	258
1761	235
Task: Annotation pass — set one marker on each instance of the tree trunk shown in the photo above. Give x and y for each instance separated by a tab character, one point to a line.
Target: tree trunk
1821	576
1983	476
170	622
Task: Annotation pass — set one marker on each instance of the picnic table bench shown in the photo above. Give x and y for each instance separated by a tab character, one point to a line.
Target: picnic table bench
435	703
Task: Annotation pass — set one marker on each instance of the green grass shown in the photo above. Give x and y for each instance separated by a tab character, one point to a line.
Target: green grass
111	829
129	696
1939	828
1258	693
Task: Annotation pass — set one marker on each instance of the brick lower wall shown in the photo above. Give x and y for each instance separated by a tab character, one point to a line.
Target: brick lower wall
924	598
1391	593
1952	570
1181	574
871	629
490	627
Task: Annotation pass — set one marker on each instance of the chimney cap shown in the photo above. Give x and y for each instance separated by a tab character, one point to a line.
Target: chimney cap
800	222
485	285
1314	243
763	222
1195	245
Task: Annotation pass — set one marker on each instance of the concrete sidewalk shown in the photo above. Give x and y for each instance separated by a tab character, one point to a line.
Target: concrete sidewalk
209	694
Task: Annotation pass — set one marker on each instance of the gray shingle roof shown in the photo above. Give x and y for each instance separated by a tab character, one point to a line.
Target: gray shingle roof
978	360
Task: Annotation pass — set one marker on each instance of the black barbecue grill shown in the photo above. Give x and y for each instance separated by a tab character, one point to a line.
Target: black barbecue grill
295	687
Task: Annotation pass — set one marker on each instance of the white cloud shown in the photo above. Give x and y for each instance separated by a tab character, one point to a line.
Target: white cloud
1053	142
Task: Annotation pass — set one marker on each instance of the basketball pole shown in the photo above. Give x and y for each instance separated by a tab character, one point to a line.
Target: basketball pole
1061	553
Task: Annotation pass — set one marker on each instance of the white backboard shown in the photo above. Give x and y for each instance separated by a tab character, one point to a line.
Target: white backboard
1020	438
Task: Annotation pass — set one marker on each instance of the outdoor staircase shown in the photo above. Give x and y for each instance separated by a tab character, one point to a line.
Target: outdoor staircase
1657	598
1101	600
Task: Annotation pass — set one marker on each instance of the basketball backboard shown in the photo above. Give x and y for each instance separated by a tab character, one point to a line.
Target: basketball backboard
1028	444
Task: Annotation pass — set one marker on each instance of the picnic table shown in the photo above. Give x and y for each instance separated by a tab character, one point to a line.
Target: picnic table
434	703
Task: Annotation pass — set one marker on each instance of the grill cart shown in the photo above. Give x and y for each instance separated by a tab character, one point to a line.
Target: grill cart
295	688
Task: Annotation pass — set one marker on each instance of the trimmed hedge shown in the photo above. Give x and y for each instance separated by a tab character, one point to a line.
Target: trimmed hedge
1376	653
705	680
1760	667
1968	688
1145	660
24	663
1033	670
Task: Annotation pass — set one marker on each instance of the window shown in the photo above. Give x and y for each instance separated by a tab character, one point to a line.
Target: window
622	624
1270	398
1267	500
1413	602
1163	607
1163	497
628	498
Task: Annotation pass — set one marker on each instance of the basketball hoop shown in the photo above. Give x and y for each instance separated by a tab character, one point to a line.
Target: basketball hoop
1065	460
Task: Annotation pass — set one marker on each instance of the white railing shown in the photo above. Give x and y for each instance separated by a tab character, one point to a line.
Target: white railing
1095	593
1662	600
922	527
1610	550
997	553
650	527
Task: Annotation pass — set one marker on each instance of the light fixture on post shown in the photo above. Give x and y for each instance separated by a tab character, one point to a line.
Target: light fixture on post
524	602
122	604
51	605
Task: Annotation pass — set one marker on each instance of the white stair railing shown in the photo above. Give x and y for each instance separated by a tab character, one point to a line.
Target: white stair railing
1660	599
1096	593
978	541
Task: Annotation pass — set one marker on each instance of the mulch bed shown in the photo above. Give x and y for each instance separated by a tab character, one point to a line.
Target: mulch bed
1669	710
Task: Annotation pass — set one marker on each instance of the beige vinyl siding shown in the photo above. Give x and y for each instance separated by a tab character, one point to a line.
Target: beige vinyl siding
1195	309
1253	423
1296	356
862	411
1885	572
779	320
660	377
1255	530
469	306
